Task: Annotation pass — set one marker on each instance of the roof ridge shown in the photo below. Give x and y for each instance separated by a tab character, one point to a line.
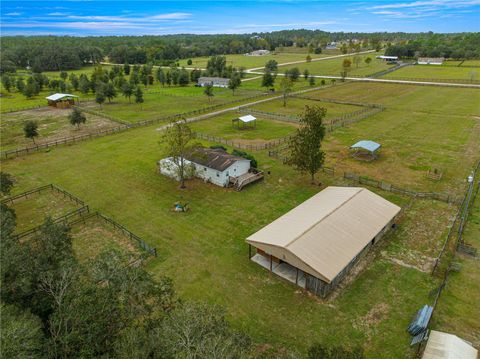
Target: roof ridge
324	217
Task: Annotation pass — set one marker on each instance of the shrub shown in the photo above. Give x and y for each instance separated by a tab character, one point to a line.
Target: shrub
253	161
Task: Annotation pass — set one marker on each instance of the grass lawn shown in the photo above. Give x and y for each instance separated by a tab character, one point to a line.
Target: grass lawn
53	124
435	73
467	63
265	130
458	310
205	253
296	106
160	104
333	67
31	211
256	61
95	236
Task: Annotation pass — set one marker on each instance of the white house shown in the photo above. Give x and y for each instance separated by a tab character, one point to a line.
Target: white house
258	53
430	60
213	81
331	46
211	165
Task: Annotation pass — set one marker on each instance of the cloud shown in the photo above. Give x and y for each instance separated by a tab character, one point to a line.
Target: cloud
14	14
171	16
57	14
448	4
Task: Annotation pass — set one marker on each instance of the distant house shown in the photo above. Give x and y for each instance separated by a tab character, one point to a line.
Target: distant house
331	46
448	346
61	100
430	60
211	165
317	243
388	59
213	81
258	53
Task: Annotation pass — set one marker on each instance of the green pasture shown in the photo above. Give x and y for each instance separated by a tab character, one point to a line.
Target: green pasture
205	253
333	67
296	106
53	124
242	60
264	129
435	73
458	309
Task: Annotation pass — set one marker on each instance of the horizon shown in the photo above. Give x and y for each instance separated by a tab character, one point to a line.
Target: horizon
130	18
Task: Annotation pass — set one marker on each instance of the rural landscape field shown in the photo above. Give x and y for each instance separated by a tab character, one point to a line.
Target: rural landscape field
261	192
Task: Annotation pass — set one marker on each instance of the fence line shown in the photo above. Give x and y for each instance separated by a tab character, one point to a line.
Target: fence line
460	81
76	216
240	146
341	102
68	140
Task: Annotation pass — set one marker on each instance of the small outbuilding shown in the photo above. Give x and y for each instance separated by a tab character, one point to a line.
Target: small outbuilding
213	81
61	100
258	53
317	243
442	345
388	59
430	60
365	150
214	166
245	121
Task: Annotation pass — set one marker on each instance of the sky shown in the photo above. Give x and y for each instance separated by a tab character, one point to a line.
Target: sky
85	18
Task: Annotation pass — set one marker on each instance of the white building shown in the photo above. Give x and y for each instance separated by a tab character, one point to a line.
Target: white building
213	81
388	59
258	53
211	165
430	60
331	46
442	345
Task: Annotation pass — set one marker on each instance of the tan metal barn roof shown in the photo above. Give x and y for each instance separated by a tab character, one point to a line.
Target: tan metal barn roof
322	235
448	346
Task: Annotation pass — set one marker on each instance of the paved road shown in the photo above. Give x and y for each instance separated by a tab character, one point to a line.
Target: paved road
313	60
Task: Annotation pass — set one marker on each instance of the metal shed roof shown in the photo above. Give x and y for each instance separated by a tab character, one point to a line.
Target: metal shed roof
448	346
322	235
367	145
247	118
216	159
59	96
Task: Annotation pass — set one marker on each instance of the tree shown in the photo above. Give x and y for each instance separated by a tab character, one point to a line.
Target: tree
183	78
6	183
368	60
76	117
7	82
322	82
178	145
189	62
74	81
63	75
306	73
21	333
201	331
30	130
286	86
344	48
308	58
138	93
271	66
268	80
161	76
20	85
234	82
31	88
311	81
126	68
357	60
127	90
293	73
346	66
216	65
195	75
84	84
109	91
208	91
99	97
305	153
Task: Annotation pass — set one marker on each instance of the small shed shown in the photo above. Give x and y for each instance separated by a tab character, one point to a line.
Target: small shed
388	59
245	121
213	81
430	60
365	150
61	100
442	345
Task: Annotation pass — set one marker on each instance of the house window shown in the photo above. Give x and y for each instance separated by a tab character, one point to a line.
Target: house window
226	174
218	175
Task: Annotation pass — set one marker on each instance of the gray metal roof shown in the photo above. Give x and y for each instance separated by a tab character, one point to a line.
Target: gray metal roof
367	145
216	159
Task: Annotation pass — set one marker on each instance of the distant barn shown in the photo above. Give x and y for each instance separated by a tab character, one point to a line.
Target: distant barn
430	60
388	59
61	100
258	53
316	244
213	81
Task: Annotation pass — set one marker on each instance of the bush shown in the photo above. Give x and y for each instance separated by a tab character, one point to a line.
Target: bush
218	147
253	161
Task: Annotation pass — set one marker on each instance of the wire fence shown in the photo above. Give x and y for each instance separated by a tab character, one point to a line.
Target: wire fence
242	146
453	81
75	216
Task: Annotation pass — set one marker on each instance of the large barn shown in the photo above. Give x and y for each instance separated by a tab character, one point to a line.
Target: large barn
317	243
